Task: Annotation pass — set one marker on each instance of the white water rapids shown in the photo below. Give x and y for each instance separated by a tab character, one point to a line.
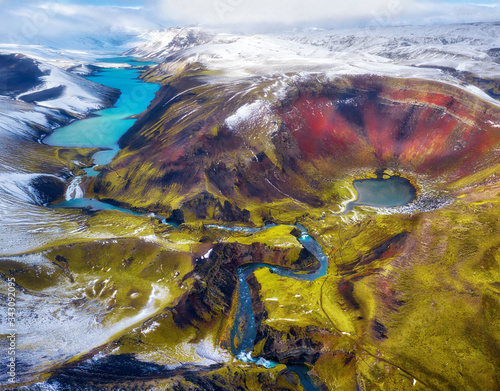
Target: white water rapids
74	189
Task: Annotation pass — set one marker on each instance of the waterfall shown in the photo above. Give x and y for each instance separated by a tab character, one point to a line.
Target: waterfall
74	190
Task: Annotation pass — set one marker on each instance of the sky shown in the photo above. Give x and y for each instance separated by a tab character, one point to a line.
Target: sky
42	21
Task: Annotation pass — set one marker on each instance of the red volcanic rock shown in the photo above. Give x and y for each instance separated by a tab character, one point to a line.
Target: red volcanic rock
396	122
183	154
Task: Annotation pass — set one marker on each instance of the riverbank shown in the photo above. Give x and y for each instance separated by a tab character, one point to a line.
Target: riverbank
233	298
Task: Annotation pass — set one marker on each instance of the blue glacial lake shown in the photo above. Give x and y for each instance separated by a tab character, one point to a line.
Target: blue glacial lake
105	129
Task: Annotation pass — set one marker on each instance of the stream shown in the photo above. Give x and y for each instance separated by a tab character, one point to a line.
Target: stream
244	310
105	127
104	130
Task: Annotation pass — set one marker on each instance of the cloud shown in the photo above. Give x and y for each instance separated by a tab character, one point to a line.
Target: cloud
69	23
287	12
277	14
46	22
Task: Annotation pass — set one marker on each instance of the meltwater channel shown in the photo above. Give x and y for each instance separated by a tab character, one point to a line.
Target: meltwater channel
104	130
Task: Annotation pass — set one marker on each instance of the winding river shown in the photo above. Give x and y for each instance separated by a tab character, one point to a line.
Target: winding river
245	327
104	130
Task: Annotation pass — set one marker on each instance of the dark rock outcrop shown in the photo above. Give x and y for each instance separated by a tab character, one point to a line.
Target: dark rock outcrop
216	278
289	156
48	189
18	74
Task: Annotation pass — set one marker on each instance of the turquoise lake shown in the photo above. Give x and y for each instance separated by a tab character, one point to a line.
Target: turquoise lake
109	125
105	129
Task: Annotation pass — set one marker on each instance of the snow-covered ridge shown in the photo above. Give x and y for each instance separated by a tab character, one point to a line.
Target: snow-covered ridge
62	58
78	94
464	47
161	43
43	84
479	35
36	97
453	54
397	43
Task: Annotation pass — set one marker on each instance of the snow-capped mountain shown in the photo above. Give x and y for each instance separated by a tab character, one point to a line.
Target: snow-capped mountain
242	85
33	81
452	53
161	43
68	59
464	47
36	97
244	131
465	55
396	43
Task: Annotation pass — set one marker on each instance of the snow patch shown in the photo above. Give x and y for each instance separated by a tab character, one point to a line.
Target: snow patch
153	326
494	124
207	255
255	119
244	113
208	350
18	185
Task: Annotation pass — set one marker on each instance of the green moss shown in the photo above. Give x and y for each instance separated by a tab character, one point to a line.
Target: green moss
434	297
124	274
477	177
161	341
351	241
337	371
409	302
278	236
76	158
289	301
32	276
441	290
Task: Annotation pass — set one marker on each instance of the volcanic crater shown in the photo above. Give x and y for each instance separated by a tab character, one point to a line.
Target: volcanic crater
299	152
